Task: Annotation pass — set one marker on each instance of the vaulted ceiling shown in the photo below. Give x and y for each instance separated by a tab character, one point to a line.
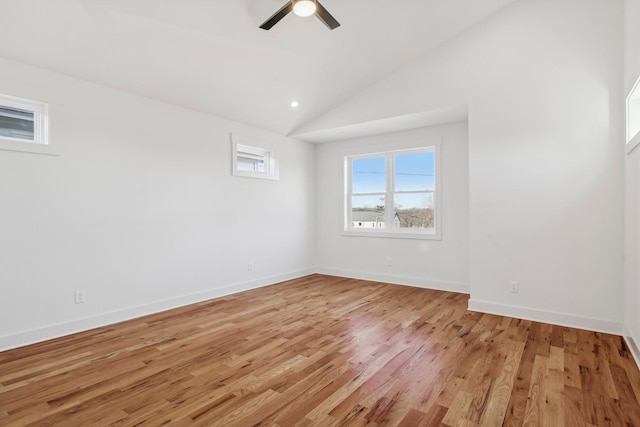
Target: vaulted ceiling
210	55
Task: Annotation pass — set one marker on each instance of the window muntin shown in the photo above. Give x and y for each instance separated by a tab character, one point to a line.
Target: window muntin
393	194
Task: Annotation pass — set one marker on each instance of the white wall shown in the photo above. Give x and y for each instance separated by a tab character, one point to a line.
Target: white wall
140	211
632	185
542	81
435	264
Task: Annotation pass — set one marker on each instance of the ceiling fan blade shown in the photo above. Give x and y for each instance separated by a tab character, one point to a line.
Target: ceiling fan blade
276	17
326	18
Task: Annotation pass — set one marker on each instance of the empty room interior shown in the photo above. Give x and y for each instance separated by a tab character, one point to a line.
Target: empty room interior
224	212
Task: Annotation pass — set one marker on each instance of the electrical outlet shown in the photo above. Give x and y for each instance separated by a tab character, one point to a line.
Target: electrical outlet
389	262
250	266
515	288
79	297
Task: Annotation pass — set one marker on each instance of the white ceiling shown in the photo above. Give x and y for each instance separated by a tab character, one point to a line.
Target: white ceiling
210	55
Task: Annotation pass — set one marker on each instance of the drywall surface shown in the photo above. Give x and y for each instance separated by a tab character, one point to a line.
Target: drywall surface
542	82
632	183
632	247
442	264
140	210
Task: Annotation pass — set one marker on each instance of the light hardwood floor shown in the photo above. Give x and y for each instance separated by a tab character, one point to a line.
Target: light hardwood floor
323	351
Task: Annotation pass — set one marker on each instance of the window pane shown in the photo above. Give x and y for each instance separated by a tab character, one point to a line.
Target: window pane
414	210
414	171
251	159
248	164
368	175
367	211
16	123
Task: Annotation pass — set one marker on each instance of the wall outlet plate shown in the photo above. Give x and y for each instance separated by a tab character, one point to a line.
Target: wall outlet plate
79	297
515	288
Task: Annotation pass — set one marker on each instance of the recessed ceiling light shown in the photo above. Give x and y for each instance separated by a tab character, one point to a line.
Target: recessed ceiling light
294	104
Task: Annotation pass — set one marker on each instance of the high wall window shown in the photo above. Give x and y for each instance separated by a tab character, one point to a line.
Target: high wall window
633	117
394	194
24	125
252	161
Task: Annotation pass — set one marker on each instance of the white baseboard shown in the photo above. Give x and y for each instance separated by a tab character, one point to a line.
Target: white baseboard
633	345
562	319
61	329
462	288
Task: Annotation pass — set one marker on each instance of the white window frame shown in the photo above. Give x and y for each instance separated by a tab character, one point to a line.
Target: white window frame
41	142
633	117
406	233
241	145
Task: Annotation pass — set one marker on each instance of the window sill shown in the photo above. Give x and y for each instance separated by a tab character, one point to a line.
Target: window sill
259	175
28	147
393	235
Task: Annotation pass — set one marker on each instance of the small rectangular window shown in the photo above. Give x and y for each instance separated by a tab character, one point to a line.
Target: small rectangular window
633	117
16	123
393	194
24	125
251	161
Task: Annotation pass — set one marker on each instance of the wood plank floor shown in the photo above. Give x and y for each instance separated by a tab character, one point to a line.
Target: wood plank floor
323	351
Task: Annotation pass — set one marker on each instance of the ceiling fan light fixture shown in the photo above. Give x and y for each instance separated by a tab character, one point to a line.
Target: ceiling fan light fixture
304	8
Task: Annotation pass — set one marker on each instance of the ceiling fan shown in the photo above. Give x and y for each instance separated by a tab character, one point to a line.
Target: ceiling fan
302	8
